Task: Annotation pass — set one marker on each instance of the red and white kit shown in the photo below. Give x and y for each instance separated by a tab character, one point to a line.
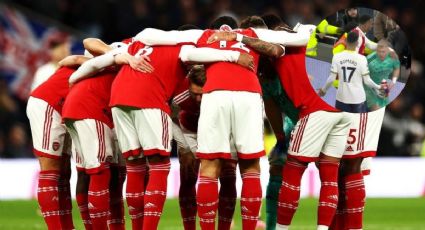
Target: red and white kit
321	128
89	120
140	101
185	132
44	110
364	134
363	137
231	106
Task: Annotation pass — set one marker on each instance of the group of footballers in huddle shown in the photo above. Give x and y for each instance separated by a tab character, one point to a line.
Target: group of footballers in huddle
122	104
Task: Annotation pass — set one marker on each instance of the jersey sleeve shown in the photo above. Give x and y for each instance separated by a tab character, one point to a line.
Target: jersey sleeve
334	66
300	38
151	36
364	69
190	53
396	63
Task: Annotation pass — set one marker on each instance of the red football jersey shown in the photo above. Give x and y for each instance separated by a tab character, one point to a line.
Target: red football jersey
89	99
55	89
154	90
293	75
230	76
189	108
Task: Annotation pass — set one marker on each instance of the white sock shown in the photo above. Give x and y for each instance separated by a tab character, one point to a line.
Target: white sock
322	227
282	227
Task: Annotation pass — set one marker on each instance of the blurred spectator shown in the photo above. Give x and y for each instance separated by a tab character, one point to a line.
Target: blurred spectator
17	143
59	47
383	25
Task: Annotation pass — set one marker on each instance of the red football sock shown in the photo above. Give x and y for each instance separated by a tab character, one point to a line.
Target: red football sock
289	193
227	198
187	201
250	199
135	193
355	196
65	201
156	192
338	222
328	199
82	201
116	204
48	198
99	199
207	199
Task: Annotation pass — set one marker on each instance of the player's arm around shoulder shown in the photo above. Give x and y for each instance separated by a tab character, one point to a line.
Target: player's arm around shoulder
152	36
191	54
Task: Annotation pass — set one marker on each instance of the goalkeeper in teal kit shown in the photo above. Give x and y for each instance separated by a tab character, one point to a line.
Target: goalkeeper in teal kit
282	116
381	67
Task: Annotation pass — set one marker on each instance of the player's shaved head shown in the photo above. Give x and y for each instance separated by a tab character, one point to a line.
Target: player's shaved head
352	38
253	21
224	20
188	27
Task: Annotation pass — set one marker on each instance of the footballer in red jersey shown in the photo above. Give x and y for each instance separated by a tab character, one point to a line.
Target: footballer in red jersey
188	99
320	134
229	108
88	118
52	147
141	116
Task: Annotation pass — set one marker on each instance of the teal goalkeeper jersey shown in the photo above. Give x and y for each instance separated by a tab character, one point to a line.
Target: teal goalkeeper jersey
379	70
272	88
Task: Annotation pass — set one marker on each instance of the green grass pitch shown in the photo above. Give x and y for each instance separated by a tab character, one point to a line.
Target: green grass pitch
381	214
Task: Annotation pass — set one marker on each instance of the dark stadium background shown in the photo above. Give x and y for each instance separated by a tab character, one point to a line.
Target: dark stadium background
402	136
114	20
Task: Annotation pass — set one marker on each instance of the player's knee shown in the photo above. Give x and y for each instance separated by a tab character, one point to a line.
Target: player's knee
49	163
351	166
275	170
325	157
83	181
138	161
251	165
158	159
210	168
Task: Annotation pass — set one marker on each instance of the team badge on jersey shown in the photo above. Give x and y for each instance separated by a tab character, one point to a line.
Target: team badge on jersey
56	145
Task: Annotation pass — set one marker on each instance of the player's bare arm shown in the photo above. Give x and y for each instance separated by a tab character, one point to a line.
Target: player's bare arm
141	63
73	60
96	64
262	47
190	54
281	37
96	46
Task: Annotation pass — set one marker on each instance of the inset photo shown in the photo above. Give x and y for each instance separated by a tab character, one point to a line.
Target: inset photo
359	60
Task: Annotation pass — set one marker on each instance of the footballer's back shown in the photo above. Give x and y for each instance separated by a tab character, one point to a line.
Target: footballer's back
351	67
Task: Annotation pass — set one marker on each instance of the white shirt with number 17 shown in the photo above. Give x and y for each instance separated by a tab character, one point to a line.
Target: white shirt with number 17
351	68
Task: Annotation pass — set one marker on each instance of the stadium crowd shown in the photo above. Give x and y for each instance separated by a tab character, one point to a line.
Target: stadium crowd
403	130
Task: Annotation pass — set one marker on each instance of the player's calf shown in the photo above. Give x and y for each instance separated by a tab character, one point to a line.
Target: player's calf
116	205
156	190
189	167
135	191
99	198
251	193
289	193
83	181
328	199
227	195
207	196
